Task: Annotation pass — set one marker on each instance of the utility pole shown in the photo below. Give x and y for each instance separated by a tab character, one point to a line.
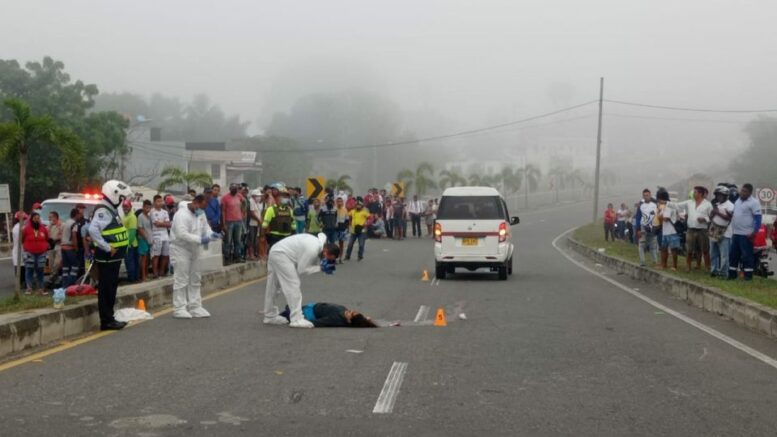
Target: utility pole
598	149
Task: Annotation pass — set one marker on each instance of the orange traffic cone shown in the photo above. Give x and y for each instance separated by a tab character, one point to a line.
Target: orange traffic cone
439	320
425	276
141	305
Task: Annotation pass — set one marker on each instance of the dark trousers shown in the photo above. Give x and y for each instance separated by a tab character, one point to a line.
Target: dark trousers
416	221
362	238
609	231
741	252
389	228
131	262
331	236
69	267
106	289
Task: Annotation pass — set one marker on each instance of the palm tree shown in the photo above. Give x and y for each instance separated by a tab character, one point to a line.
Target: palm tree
24	130
424	178
421	178
177	176
406	176
450	178
558	177
478	180
340	183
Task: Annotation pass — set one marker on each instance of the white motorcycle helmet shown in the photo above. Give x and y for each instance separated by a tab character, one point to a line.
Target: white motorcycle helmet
115	192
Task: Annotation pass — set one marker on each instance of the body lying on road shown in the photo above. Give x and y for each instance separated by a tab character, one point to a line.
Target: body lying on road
332	315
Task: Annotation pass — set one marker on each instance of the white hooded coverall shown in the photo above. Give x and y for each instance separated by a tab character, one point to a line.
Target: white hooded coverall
185	242
293	256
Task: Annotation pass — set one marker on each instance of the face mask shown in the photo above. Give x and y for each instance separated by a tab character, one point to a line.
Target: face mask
233	192
198	212
285	201
35	225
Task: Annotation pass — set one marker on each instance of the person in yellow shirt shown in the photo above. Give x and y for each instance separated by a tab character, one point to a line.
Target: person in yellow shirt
130	221
358	218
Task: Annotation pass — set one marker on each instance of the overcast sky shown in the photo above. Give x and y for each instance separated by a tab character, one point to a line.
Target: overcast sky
474	61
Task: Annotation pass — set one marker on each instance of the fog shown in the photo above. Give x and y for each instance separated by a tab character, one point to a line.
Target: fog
447	67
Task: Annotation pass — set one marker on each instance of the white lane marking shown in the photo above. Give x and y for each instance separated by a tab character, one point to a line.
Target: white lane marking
387	397
698	325
5	259
423	311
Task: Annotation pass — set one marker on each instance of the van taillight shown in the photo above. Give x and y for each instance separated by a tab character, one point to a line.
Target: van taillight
502	232
438	232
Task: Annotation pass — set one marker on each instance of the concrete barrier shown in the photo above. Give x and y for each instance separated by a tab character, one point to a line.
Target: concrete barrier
744	312
29	329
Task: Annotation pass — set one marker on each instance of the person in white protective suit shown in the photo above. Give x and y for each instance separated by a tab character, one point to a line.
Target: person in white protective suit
289	258
190	231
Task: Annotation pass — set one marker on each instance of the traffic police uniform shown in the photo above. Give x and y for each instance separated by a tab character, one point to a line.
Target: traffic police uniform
279	223
108	232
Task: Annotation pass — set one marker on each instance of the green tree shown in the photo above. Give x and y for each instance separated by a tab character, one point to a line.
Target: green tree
25	130
176	176
450	178
340	183
756	164
422	178
49	90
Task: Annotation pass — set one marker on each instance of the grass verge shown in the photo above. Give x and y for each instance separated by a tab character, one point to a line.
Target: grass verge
10	305
760	290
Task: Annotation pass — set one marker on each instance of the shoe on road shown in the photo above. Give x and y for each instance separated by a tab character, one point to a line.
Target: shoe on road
182	314
301	323
277	320
113	326
199	312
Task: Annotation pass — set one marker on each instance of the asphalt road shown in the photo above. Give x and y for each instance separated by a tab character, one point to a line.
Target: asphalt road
554	350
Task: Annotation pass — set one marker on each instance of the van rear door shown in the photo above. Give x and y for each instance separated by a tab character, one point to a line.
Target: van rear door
470	224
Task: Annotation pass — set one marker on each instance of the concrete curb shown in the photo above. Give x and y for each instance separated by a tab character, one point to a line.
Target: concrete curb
39	327
751	315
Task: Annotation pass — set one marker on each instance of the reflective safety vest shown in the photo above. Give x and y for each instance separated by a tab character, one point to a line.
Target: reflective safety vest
282	221
116	235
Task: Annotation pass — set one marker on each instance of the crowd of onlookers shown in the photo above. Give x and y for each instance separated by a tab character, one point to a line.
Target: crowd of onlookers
724	230
251	221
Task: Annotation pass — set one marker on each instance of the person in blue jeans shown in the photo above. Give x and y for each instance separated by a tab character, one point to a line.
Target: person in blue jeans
745	223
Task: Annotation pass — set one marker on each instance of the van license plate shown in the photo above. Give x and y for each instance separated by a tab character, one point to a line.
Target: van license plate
469	241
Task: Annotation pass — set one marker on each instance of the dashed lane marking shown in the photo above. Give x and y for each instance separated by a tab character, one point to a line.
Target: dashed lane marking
698	325
423	312
388	396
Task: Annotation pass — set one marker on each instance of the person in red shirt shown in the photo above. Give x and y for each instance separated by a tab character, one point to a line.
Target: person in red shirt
233	214
609	223
35	242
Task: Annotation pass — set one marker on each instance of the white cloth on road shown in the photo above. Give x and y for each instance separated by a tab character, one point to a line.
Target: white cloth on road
130	314
293	256
186	237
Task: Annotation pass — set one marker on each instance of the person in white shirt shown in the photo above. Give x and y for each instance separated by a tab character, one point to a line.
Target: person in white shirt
720	232
745	223
416	209
646	227
160	248
254	222
697	244
670	240
16	251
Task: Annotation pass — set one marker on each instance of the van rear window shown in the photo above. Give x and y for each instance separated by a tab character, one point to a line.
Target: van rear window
470	208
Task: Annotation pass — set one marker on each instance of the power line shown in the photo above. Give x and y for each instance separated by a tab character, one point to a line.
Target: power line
644	117
436	137
676	108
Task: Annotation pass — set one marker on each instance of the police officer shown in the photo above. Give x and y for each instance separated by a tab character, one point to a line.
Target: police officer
110	240
279	219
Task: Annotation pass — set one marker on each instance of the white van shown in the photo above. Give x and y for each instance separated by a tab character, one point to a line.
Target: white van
472	231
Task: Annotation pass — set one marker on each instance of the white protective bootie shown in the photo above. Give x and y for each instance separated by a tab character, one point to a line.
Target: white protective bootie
181	314
301	323
277	320
199	312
